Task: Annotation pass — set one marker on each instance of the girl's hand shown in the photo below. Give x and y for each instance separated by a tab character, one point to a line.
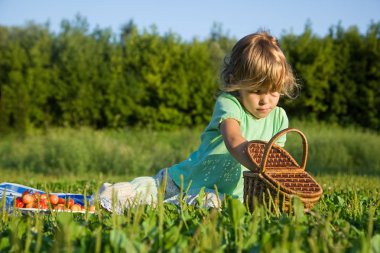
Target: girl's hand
235	142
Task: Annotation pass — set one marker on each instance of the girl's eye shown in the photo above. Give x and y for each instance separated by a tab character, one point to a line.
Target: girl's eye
255	91
259	92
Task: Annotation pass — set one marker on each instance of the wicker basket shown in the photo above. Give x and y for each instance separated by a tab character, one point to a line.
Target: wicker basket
278	178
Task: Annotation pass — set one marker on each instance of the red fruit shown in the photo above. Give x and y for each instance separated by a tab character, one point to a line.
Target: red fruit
25	192
42	205
59	207
69	203
53	199
27	198
19	203
76	207
36	195
29	205
43	196
42	202
91	208
61	201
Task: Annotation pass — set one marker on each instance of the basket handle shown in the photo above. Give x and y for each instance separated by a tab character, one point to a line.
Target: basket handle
269	145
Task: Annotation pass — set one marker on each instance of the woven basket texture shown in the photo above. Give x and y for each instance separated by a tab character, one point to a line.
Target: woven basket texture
277	178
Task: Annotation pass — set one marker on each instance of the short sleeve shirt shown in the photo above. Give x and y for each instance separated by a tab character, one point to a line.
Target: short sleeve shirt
211	164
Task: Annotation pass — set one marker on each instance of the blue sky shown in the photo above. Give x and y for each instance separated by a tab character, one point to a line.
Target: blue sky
195	18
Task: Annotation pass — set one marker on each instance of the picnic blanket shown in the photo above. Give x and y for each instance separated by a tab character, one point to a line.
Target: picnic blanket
11	191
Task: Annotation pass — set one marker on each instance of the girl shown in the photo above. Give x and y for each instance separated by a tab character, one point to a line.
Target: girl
254	76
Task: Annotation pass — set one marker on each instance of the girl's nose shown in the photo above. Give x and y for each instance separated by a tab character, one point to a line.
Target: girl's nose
264	99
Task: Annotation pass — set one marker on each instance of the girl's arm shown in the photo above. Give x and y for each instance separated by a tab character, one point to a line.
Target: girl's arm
235	142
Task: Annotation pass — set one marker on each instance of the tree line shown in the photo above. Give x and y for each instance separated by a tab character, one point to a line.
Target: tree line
139	78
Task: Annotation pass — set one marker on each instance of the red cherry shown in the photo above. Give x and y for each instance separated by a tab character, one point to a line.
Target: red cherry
53	199
19	203
27	199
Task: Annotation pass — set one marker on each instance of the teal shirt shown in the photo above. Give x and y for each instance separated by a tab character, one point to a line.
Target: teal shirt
212	164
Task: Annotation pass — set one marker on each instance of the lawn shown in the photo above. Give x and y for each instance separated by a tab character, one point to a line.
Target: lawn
344	161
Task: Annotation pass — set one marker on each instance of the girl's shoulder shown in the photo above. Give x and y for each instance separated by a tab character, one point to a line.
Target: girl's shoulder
279	109
228	101
225	96
277	114
226	106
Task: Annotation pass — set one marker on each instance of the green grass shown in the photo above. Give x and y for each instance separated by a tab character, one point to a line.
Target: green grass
344	161
127	152
346	219
334	149
133	152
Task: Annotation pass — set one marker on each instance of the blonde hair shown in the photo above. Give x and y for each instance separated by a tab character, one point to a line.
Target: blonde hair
257	61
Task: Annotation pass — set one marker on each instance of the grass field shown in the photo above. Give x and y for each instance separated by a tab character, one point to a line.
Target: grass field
346	219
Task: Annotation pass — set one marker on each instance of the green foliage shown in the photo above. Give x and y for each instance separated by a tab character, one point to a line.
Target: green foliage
83	78
25	58
337	73
100	79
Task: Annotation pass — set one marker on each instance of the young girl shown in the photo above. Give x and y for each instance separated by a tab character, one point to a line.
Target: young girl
255	76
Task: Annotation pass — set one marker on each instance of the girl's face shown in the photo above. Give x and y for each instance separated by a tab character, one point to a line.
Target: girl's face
259	102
